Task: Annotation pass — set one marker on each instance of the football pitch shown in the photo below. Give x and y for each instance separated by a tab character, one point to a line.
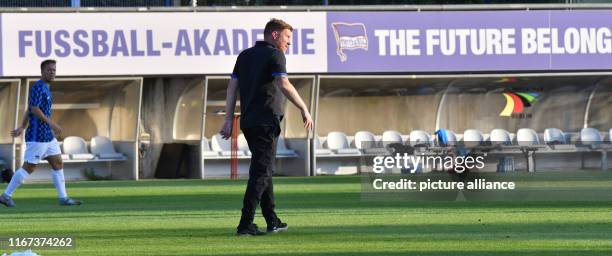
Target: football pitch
326	216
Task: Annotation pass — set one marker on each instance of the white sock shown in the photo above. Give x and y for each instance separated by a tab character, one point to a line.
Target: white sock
59	182
18	178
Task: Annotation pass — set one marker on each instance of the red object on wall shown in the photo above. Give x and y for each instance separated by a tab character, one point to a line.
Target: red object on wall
234	156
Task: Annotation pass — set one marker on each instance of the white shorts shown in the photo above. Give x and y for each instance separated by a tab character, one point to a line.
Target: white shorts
36	151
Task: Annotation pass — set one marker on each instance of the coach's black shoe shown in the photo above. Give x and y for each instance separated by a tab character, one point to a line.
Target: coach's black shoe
250	230
278	227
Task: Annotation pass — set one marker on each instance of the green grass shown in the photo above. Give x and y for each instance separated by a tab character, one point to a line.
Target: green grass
326	217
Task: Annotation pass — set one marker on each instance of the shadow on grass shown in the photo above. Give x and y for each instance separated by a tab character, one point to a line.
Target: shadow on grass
318	180
447	253
436	239
385	232
213	203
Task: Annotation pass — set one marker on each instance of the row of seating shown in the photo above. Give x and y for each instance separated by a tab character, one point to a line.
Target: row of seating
74	149
220	148
337	143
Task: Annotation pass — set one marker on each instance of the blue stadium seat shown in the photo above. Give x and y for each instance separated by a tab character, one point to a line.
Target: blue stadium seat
590	136
554	136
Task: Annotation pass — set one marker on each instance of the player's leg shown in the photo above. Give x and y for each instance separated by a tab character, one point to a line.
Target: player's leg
57	174
18	178
34	152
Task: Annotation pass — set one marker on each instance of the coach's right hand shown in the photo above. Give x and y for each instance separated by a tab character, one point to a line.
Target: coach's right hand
306	118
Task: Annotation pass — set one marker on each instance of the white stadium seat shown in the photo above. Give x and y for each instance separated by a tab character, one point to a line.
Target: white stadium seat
207	152
420	138
391	137
554	136
590	136
500	136
319	150
338	142
76	147
472	138
365	140
243	145
224	147
104	149
527	137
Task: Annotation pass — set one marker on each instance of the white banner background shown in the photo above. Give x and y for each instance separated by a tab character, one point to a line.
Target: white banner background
164	28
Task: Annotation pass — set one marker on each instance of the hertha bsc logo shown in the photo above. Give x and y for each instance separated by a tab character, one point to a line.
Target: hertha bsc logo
349	36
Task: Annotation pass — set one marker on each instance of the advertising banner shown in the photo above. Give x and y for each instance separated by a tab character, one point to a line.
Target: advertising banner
151	43
469	41
323	42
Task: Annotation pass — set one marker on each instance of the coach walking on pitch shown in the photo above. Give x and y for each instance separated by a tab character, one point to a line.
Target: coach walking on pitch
40	139
261	75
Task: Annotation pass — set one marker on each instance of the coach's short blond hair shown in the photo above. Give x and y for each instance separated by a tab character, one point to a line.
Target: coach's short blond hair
276	25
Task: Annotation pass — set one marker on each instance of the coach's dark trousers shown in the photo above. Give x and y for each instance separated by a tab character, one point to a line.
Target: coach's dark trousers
262	143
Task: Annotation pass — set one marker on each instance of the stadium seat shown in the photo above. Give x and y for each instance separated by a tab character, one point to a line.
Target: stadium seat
554	136
281	148
206	151
590	136
527	137
224	147
243	145
319	150
76	147
391	137
104	149
365	140
420	138
500	136
472	138
338	142
446	137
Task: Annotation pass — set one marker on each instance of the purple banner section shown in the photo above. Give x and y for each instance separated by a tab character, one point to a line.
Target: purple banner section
469	41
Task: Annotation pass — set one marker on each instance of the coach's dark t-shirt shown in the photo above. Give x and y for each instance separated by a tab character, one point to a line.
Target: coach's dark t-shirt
261	103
